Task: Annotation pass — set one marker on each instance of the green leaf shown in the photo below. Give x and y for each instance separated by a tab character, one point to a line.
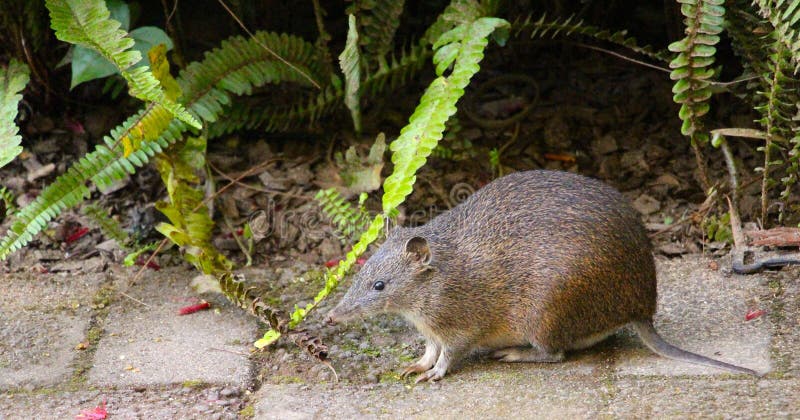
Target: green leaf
120	12
679	46
13	79
269	337
445	56
703	51
87	64
147	37
88	23
350	63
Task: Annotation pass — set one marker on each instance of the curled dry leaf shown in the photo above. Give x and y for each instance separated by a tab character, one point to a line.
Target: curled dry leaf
311	344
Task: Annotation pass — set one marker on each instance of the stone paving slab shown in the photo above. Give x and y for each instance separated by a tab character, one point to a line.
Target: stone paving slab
147	404
504	391
42	319
536	396
701	398
153	345
702	310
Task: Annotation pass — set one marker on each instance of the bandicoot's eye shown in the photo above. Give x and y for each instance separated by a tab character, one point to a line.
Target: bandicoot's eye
378	285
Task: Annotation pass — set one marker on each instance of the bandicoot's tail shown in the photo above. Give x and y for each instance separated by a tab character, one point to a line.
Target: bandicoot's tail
652	340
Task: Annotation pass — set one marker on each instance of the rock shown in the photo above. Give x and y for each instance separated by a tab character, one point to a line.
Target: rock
330	248
557	134
109	246
646	205
672	249
604	145
300	174
91	265
609	167
667	179
634	161
270	181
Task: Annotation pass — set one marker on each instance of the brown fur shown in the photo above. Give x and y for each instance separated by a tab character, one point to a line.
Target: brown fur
549	259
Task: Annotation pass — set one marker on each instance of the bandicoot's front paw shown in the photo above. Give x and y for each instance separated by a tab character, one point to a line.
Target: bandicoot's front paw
431	375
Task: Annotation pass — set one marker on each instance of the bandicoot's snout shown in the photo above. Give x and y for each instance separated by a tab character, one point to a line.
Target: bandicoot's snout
342	313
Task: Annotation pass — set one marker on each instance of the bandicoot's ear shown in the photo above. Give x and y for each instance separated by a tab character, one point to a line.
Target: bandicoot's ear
418	248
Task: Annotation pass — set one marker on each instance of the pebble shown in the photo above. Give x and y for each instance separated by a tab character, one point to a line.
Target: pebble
646	204
229	392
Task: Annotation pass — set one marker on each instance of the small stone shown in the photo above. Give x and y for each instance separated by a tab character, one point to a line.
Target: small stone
646	205
667	179
300	174
672	249
270	181
229	392
605	145
634	161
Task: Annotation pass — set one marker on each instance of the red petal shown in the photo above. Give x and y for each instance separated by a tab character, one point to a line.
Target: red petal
97	413
753	314
186	310
77	235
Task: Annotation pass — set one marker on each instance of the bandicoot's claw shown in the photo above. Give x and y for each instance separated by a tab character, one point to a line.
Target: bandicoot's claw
415	368
431	375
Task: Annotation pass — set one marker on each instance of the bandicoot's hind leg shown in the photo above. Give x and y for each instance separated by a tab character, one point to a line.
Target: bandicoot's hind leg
527	354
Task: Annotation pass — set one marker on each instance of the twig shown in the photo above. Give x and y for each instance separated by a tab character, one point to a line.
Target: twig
250	187
238	353
134	299
261	44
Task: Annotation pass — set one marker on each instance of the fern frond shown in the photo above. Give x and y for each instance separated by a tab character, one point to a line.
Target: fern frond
88	23
542	27
349	62
692	66
740	26
7	197
236	67
13	79
462	48
377	23
110	227
243	115
349	220
784	15
777	109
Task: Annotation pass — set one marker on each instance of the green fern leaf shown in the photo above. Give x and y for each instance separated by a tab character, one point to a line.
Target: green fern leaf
542	27
13	79
110	227
88	23
784	16
377	23
427	123
236	67
349	61
691	66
